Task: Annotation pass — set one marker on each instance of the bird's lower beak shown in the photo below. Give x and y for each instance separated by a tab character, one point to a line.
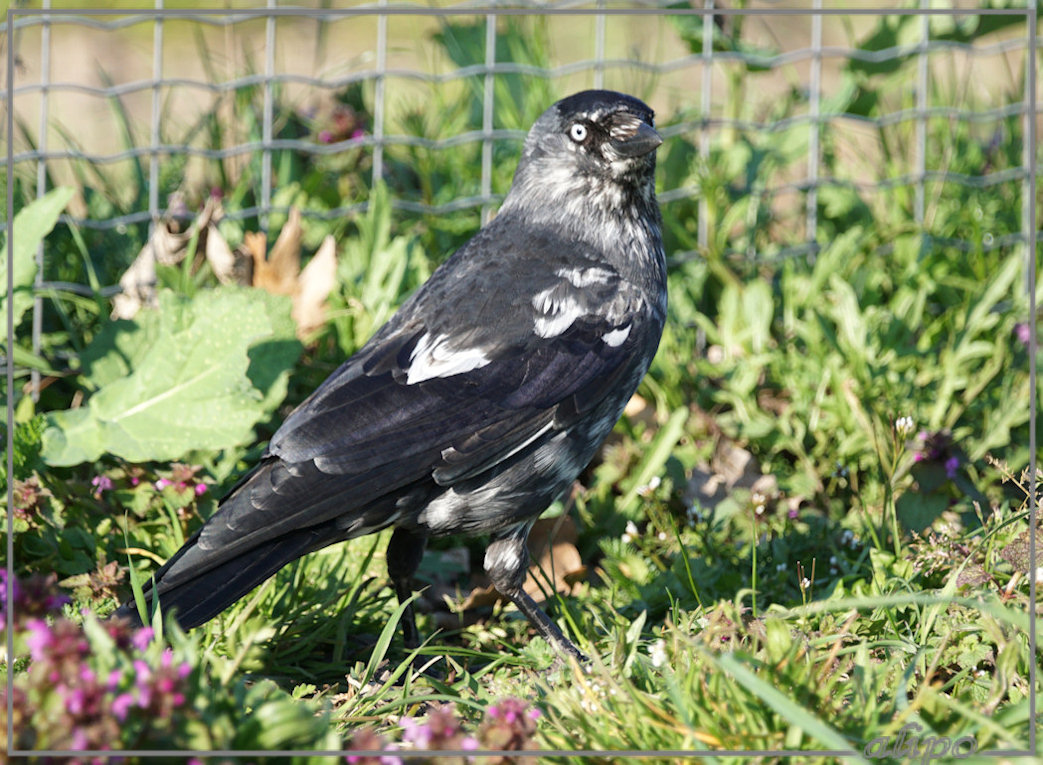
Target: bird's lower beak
646	139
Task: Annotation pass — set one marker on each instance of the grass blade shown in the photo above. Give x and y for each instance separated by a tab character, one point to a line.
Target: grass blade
786	707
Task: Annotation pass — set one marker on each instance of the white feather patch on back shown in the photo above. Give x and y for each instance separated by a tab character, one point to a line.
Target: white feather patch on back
616	337
557	312
434	358
585	277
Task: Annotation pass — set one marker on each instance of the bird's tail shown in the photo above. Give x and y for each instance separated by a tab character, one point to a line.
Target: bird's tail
195	596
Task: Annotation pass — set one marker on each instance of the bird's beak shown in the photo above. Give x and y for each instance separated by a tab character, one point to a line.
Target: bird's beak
644	140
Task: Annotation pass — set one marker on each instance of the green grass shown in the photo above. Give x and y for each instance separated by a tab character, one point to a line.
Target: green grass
877	580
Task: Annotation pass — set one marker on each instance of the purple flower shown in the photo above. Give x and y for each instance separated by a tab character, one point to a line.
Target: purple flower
415	733
142	674
114	679
469	743
163	483
15	596
101	483
38	639
509	709
950	466
1023	332
75	700
325	136
200	489
121	705
793	513
357	134
142	638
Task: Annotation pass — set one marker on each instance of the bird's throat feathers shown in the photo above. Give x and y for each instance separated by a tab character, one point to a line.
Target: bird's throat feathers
615	212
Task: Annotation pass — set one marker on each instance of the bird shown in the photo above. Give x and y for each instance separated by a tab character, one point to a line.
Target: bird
484	396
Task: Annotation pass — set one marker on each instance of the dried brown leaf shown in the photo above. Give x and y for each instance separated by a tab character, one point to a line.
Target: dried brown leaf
313	287
278	272
167	245
226	265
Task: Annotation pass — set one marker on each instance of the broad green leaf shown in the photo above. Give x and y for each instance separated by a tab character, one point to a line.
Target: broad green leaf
118	348
272	357
31	225
186	389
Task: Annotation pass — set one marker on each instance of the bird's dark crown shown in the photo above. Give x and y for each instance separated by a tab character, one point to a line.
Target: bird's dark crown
595	104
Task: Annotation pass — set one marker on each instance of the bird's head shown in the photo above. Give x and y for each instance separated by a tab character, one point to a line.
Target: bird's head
596	147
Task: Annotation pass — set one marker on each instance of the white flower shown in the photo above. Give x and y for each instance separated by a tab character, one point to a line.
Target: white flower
647	489
631	532
781	566
904	427
805	583
658	653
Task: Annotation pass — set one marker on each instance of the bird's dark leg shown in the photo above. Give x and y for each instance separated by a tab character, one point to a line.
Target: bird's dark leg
404	553
507	563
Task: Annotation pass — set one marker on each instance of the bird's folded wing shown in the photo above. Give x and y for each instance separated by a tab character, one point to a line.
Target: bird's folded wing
373	435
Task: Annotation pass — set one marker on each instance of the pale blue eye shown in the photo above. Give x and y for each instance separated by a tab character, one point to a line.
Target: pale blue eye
578	132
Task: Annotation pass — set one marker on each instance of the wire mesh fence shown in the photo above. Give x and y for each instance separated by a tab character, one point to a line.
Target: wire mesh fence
799	113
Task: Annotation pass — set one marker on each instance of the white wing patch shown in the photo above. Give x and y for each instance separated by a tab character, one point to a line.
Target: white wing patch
558	306
556	313
552	326
585	277
433	357
616	337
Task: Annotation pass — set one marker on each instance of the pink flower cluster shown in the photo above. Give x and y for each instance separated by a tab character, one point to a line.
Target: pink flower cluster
32	597
509	725
182	478
156	692
938	447
90	699
343	123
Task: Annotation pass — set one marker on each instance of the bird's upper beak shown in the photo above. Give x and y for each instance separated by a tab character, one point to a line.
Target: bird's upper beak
643	140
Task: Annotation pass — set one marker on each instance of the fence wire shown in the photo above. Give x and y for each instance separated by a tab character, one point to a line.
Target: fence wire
691	76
